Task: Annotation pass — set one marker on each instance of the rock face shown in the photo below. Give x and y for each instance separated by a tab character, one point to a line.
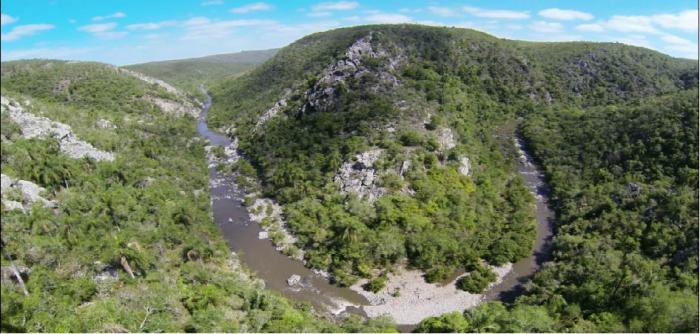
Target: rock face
465	166
321	96
446	139
272	112
27	191
174	108
359	176
42	127
181	107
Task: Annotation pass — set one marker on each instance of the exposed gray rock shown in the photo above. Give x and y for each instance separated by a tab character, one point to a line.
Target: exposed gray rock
294	280
105	124
359	176
465	166
321	96
446	138
12	205
40	127
29	191
183	105
272	112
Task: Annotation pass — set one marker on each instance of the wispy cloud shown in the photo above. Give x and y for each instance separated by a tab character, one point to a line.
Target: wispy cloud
565	14
442	11
103	30
686	20
116	15
202	27
379	17
258	6
340	5
590	27
53	53
212	2
547	27
496	13
24	31
319	14
151	25
6	19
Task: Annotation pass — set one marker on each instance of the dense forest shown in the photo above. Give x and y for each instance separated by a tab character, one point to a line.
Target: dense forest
614	128
129	244
624	185
429	214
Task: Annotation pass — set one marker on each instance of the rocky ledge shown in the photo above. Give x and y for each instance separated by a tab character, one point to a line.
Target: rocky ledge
33	126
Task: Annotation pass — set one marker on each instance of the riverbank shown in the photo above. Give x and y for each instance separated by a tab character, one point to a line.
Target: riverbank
416	299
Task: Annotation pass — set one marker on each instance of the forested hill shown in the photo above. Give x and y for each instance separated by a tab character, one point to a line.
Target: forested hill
106	213
384	145
189	73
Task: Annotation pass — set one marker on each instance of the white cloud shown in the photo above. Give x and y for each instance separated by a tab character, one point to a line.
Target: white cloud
103	30
387	18
151	25
201	27
565	14
24	30
251	8
631	24
116	15
442	11
591	27
686	20
53	53
6	19
212	3
340	5
495	13
197	20
548	27
319	14
97	28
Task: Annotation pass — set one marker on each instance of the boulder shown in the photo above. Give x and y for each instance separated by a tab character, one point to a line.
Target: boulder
294	280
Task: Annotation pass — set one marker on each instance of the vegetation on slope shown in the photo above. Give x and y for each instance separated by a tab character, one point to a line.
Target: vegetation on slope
624	185
149	210
188	74
445	221
626	205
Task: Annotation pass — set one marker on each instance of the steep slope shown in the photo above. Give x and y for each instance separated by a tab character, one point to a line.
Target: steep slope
380	144
188	74
106	217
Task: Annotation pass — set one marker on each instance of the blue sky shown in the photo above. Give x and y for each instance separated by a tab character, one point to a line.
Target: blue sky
133	31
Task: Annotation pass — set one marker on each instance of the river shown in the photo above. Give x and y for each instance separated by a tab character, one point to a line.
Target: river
275	268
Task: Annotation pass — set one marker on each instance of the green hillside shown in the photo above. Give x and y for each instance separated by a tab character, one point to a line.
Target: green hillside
188	74
125	242
605	120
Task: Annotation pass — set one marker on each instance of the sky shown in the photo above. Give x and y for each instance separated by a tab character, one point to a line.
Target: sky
134	31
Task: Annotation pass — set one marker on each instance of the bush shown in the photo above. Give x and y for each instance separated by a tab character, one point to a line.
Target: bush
477	280
411	138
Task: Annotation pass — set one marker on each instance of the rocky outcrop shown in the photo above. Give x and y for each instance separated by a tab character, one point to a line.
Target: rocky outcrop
465	166
322	95
446	139
33	126
268	214
21	194
179	107
168	106
360	177
105	124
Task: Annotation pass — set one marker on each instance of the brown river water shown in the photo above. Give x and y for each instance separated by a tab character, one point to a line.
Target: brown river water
275	268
